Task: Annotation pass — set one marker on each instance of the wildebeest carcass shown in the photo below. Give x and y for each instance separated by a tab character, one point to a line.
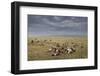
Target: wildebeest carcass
55	51
58	50
70	50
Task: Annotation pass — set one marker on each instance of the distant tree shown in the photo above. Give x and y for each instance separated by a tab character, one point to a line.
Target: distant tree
32	41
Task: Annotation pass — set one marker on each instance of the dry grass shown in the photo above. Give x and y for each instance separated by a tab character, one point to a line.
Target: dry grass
39	51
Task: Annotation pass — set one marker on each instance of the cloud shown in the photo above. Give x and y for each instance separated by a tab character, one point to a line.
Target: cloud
51	25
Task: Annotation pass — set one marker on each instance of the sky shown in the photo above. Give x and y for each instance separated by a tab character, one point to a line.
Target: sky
47	25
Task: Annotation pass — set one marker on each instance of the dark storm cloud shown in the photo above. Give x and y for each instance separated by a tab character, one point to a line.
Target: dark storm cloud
57	25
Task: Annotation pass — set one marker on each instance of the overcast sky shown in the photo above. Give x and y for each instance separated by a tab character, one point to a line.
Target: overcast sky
40	25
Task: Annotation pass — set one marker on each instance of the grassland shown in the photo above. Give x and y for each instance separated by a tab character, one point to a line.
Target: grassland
38	49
